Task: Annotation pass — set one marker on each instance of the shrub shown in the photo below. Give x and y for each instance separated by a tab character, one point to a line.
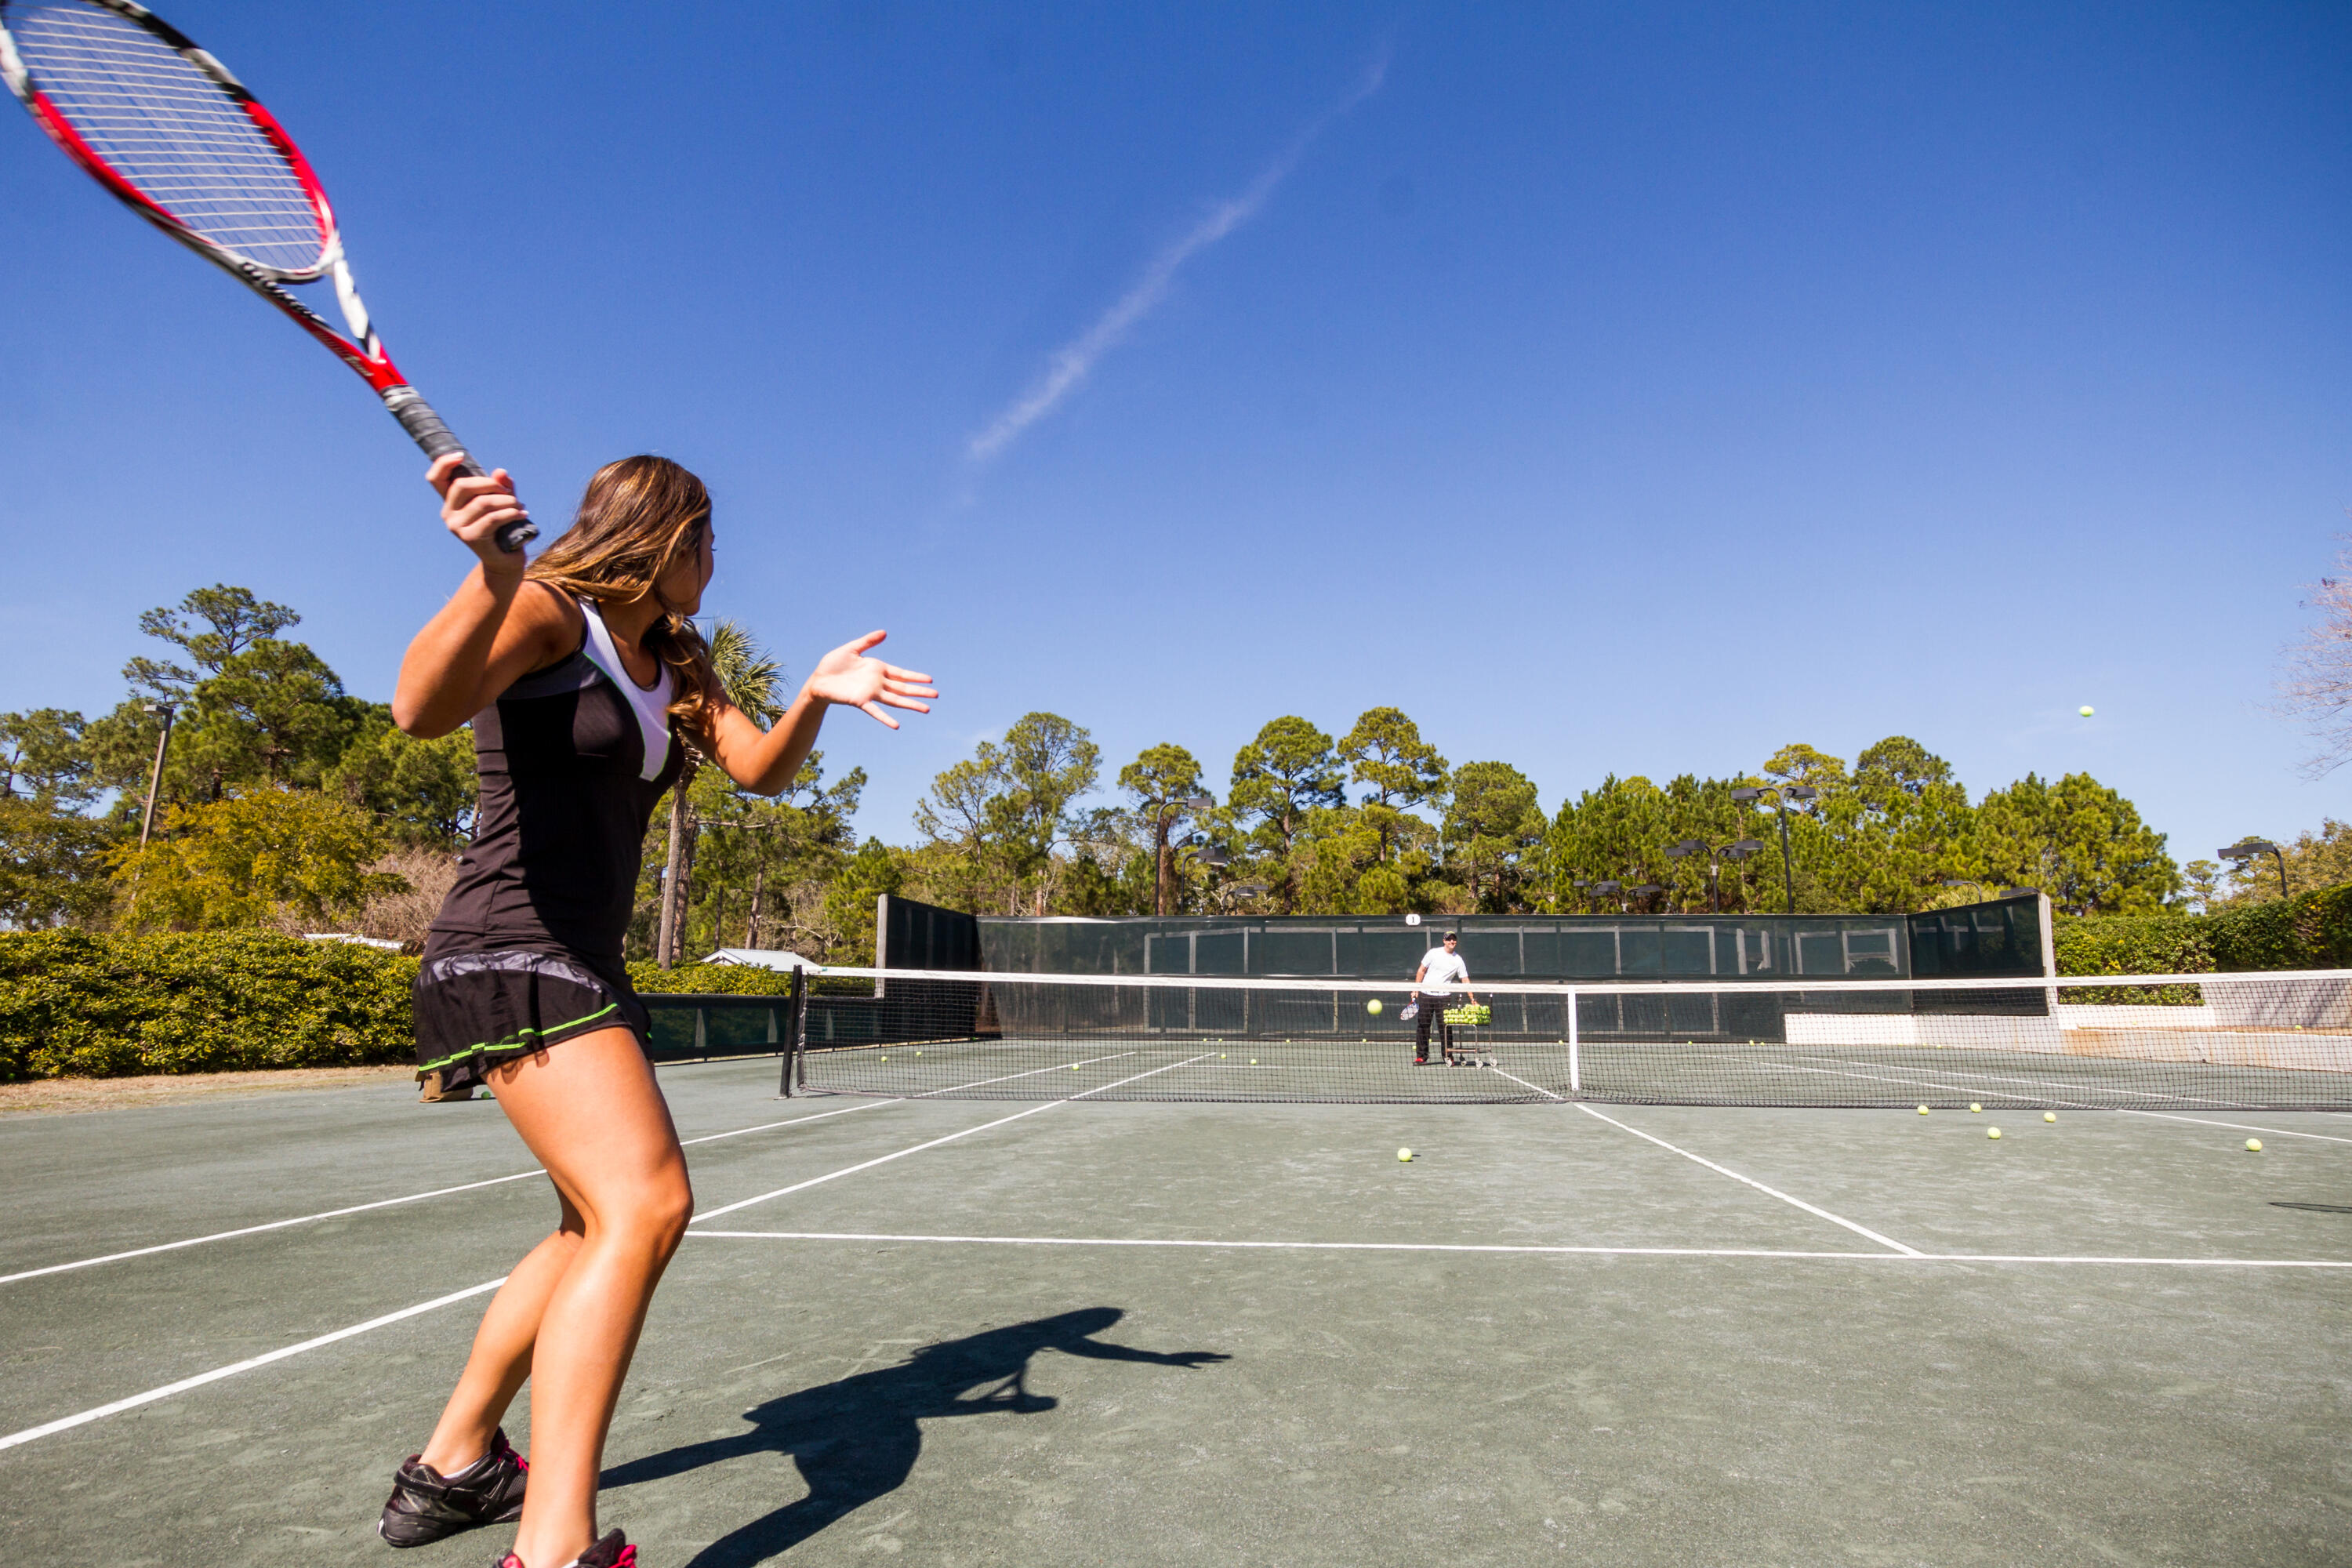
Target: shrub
84	1006
75	1004
708	979
2310	930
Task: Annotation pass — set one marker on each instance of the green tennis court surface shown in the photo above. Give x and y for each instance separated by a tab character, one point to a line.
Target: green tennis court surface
965	1332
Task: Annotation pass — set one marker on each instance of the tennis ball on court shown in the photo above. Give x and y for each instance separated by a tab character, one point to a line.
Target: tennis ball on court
1373	1006
1405	1153
1974	1108
1923	1110
1992	1132
2049	1116
2254	1144
2084	709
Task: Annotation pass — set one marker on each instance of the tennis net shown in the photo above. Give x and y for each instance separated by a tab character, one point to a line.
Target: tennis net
2271	1041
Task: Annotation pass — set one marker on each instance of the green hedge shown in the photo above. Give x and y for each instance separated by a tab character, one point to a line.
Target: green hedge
708	979
82	1005
72	1003
2310	930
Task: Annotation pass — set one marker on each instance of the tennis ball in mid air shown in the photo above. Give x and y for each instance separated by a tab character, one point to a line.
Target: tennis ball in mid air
2084	709
1992	1132
1373	1006
1405	1153
2254	1144
2049	1116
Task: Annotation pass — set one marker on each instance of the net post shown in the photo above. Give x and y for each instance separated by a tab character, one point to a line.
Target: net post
793	1032
2049	953
1575	1074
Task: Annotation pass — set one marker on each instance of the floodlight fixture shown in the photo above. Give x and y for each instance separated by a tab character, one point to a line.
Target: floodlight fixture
2246	849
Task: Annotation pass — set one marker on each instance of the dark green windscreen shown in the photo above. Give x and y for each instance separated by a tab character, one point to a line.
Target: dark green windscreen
2003	937
1994	939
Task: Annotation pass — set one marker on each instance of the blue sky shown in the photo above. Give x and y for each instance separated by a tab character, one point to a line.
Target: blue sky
1612	390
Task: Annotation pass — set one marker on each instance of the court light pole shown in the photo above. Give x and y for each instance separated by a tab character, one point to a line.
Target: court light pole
1781	795
155	776
2246	849
1738	850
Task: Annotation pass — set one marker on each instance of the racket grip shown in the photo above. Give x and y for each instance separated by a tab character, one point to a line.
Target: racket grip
417	417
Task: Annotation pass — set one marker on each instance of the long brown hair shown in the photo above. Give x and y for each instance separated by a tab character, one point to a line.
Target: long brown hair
639	517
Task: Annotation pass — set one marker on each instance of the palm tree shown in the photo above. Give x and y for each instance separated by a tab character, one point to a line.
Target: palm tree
751	681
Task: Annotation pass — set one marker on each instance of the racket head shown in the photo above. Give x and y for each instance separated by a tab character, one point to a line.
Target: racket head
168	129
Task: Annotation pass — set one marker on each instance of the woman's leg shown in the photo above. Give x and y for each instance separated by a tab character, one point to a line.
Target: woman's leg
568	1318
501	1359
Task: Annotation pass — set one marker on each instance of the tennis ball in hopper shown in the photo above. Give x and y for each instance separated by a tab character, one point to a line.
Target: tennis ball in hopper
2255	1145
1992	1132
2084	709
2049	1116
1373	1006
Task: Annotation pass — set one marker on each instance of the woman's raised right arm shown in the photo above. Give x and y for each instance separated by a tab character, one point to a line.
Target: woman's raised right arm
494	629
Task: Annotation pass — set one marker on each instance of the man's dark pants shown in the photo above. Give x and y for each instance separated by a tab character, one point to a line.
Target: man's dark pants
1433	1010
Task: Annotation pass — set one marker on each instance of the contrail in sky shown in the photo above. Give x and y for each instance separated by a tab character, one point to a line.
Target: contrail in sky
1073	361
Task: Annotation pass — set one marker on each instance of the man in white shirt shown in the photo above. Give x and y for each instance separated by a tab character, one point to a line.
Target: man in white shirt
1433	982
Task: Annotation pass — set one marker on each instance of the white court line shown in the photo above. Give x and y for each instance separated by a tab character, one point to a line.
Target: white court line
999	1122
1773	1192
100	1412
471	1186
2240	1126
380	1204
65	1423
1904	1256
2076	1104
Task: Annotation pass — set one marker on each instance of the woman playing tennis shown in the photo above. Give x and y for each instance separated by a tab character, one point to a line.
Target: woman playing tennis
583	676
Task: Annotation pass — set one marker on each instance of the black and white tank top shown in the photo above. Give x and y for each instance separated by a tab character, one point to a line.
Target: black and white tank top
572	760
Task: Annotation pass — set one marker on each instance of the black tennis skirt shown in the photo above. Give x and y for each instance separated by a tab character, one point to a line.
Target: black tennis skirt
477	1007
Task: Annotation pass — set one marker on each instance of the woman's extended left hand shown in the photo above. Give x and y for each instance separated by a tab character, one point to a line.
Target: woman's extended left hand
847	678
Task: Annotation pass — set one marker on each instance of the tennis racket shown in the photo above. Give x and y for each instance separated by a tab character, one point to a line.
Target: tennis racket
162	125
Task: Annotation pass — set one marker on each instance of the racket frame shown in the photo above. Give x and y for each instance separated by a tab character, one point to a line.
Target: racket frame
364	349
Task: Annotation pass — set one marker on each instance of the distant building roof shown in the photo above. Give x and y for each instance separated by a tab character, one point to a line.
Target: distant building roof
347	936
765	958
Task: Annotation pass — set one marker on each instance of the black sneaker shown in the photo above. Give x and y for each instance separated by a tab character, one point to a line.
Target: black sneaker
427	1505
612	1551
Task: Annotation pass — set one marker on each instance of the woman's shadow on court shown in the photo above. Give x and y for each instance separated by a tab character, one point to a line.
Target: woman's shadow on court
856	1439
